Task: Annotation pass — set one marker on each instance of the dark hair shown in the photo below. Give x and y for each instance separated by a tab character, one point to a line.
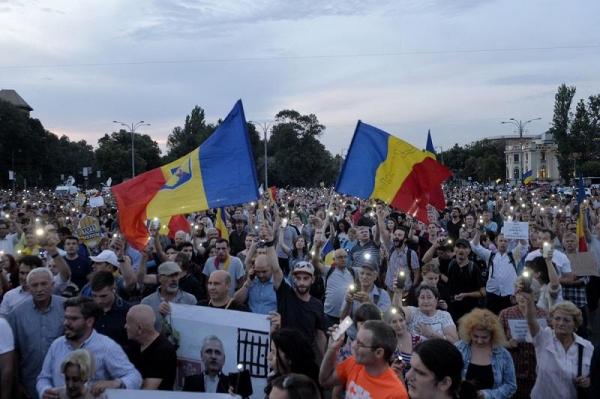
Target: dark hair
13	269
298	350
102	279
183	261
423	287
222	240
443	359
297	386
31	261
552	235
185	245
384	337
72	238
170	247
538	264
366	312
86	305
64	231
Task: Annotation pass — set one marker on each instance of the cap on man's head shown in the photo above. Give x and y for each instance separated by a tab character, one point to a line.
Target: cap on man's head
107	256
370	266
168	268
461	242
304	267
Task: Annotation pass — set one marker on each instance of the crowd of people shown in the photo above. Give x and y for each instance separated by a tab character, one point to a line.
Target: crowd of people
364	301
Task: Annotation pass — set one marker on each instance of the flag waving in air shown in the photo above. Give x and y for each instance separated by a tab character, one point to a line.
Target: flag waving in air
381	166
220	172
436	196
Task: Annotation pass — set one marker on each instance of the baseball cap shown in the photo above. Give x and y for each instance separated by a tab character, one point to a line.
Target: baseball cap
304	267
461	242
107	256
168	268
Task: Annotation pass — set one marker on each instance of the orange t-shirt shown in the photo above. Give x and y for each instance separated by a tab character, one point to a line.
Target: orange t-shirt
361	385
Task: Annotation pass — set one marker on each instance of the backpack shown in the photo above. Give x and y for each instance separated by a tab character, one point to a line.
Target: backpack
511	259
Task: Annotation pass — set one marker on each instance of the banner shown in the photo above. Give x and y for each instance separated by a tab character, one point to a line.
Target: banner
516	230
89	231
244	338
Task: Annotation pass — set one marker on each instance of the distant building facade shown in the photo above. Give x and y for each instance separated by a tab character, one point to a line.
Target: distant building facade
536	153
12	97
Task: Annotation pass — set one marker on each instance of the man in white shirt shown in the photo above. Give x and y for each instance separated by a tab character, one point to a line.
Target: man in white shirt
7	356
7	240
502	271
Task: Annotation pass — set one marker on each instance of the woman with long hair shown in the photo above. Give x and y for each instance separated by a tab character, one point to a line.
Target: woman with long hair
9	267
405	341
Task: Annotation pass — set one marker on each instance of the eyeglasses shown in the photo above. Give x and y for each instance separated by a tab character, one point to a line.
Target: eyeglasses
361	345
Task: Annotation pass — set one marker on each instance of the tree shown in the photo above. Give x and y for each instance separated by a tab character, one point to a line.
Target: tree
482	160
184	140
560	127
113	155
298	157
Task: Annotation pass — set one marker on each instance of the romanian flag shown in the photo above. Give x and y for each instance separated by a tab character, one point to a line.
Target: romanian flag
381	166
220	172
327	252
273	194
436	197
221	223
173	224
528	177
580	215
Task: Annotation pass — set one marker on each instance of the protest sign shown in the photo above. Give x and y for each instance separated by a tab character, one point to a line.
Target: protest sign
146	394
89	231
96	202
519	330
584	264
80	199
516	230
244	338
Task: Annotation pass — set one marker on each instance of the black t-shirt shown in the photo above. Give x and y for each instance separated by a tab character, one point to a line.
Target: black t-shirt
232	306
462	280
307	317
80	268
190	284
112	323
159	360
454	229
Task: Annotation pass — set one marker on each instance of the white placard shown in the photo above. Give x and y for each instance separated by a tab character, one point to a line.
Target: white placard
144	394
245	338
96	202
516	230
519	330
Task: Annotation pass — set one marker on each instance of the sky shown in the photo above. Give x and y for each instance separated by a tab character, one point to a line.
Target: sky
457	67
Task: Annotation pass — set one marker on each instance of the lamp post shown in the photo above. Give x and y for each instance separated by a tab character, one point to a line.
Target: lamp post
520	125
132	128
265	128
441	153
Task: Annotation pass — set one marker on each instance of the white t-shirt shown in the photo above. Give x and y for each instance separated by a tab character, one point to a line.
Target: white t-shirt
437	322
7	341
563	264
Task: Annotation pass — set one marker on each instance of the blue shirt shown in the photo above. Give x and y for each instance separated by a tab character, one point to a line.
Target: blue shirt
34	332
111	363
505	381
262	298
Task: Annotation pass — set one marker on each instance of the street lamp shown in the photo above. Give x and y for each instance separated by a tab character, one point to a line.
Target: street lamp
265	128
132	128
520	125
441	153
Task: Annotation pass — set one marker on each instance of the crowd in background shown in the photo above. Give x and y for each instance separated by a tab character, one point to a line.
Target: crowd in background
444	307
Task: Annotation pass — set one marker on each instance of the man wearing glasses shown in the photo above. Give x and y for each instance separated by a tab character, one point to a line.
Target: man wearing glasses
367	374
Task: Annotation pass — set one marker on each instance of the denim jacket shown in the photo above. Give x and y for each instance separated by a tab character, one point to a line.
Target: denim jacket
505	382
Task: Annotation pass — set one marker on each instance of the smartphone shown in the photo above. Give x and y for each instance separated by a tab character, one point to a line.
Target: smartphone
546	249
342	328
284	222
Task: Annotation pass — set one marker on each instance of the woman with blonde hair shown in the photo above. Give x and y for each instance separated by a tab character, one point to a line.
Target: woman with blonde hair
78	368
487	364
565	356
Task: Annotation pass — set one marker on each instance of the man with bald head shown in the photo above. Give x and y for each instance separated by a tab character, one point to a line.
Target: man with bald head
219	283
258	291
154	356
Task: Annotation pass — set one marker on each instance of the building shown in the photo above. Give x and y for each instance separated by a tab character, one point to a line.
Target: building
12	97
536	153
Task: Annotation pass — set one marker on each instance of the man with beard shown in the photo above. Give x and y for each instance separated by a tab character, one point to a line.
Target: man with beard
168	291
400	258
298	309
212	379
36	322
113	369
464	282
454	224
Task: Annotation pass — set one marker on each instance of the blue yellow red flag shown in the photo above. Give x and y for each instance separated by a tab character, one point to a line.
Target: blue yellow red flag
221	224
381	166
528	177
436	197
220	172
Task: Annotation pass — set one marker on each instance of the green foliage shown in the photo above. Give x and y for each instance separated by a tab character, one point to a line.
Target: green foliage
113	155
577	135
184	140
482	160
296	156
37	156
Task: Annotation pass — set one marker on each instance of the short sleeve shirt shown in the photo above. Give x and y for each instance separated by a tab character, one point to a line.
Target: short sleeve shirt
361	385
308	317
158	360
437	322
235	270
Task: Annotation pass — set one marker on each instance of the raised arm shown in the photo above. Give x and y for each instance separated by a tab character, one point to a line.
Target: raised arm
383	233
